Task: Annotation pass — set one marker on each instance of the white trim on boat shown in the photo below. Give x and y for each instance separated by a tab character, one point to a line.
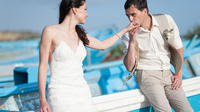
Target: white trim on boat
134	99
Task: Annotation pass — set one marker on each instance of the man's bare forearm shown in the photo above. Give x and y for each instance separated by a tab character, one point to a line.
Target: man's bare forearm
129	60
180	51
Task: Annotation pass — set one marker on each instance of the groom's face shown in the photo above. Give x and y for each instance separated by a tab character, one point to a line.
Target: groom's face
134	15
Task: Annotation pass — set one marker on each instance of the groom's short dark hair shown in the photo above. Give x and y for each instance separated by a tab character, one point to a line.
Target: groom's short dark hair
139	4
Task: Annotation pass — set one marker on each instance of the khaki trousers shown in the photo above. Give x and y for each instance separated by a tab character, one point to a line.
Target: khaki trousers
156	86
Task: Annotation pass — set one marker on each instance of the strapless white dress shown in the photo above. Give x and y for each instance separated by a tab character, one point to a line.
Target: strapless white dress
67	90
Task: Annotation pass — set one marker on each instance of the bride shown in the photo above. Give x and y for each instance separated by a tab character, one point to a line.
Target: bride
62	45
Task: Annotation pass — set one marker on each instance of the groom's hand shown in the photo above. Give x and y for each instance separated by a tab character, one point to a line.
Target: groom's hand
176	81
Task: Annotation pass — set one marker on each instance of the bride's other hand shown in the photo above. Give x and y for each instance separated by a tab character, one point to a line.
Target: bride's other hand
44	107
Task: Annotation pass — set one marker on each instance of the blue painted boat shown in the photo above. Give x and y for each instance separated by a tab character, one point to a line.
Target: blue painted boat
106	87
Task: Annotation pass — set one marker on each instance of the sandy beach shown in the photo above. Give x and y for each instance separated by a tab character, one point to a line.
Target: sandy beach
13	36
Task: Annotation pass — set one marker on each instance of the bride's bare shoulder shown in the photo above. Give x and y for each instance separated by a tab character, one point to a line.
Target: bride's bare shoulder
50	31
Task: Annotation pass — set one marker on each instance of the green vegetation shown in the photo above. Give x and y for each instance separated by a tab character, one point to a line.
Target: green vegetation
115	54
117	51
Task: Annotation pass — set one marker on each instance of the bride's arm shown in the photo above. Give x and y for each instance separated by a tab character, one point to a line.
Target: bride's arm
102	45
45	45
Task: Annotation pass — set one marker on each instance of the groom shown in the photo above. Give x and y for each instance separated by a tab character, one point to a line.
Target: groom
153	38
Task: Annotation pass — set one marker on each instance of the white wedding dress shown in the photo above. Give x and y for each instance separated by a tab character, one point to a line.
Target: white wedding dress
67	90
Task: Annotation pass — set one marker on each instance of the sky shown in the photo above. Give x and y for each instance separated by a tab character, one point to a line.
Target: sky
34	15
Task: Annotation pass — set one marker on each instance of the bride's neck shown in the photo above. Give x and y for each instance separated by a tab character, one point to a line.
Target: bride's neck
69	24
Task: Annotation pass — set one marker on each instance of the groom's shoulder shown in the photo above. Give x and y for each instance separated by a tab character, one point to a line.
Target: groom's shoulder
162	15
159	15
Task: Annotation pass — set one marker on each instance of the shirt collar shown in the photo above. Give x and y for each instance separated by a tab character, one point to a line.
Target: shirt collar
154	21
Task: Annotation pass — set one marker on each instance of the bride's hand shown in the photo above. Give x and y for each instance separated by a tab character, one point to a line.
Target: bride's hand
44	107
133	31
132	27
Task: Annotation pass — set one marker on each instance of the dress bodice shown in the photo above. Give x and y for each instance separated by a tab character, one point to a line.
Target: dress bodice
65	53
66	64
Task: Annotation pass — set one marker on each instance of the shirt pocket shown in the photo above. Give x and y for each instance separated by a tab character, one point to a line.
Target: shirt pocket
145	43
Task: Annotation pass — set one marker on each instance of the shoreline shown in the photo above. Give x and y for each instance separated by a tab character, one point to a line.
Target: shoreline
14	36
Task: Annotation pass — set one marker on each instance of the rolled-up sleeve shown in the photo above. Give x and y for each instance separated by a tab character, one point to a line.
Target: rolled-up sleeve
125	42
175	41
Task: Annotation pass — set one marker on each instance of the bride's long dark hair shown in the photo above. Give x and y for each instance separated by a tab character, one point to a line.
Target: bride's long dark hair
65	7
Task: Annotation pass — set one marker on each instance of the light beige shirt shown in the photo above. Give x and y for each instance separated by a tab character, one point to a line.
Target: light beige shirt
154	52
